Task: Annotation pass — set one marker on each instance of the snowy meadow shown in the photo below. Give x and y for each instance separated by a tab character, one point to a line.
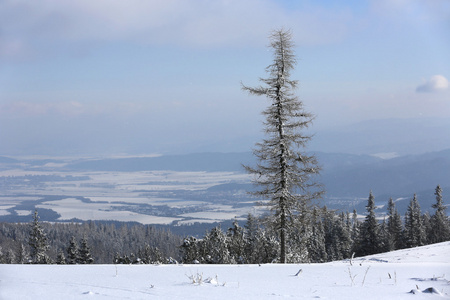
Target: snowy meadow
417	273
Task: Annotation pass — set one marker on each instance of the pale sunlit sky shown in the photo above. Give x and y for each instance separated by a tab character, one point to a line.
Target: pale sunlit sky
136	76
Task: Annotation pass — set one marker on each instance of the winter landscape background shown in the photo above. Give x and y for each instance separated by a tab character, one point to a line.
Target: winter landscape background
117	114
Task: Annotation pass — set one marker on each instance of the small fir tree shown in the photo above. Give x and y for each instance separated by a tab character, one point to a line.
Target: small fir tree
426	221
190	250
439	221
344	236
85	256
61	258
316	243
330	237
150	255
394	227
215	247
252	240
22	254
384	237
414	229
261	244
369	235
236	243
73	252
38	242
267	248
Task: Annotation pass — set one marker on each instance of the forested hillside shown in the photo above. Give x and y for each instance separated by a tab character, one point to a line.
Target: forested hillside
106	241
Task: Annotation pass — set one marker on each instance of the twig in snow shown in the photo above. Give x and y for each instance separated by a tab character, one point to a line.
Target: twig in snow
352	278
351	259
364	279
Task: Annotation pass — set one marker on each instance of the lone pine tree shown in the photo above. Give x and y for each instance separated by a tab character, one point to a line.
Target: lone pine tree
283	171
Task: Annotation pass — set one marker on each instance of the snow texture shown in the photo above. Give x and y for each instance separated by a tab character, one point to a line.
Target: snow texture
417	273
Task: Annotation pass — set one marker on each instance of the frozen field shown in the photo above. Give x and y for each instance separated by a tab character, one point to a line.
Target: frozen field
147	197
418	273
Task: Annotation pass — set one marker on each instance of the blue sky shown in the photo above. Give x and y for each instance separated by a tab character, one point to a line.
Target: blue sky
164	76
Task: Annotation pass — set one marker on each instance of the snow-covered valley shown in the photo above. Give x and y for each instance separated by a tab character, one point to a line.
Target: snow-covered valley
417	273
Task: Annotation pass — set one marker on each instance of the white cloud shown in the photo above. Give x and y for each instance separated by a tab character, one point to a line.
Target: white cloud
436	83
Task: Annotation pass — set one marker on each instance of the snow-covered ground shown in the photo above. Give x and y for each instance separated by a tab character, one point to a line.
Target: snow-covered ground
418	273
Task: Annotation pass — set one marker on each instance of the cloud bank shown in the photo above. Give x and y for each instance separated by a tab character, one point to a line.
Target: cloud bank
434	84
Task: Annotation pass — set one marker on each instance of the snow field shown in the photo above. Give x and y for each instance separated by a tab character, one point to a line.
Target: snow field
329	281
419	273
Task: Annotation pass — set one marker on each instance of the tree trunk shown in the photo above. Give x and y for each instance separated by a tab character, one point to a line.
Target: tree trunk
283	238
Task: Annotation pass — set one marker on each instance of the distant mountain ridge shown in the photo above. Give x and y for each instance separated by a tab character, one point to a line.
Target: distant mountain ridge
395	135
211	162
412	173
344	175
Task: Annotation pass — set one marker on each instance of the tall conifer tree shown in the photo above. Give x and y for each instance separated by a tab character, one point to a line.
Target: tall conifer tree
283	171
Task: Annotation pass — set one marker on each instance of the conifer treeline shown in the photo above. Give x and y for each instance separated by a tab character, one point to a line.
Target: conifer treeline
322	235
